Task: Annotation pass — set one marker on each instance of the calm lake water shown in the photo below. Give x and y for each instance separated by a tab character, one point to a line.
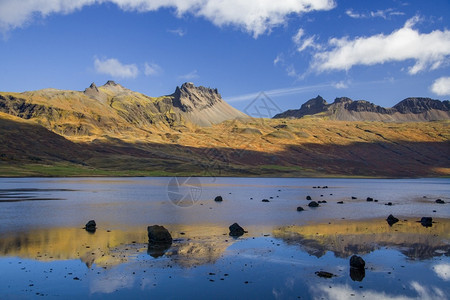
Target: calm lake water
45	252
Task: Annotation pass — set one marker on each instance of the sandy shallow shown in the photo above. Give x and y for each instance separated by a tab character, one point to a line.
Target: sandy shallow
45	252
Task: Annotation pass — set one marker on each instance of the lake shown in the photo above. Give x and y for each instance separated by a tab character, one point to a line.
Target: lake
44	250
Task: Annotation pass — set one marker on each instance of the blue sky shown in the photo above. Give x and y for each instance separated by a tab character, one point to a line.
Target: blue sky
381	51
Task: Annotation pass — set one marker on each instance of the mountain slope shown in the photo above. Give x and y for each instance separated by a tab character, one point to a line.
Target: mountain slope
345	109
116	111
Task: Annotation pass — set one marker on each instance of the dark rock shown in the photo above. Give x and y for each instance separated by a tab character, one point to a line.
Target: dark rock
391	220
313	204
369	199
440	201
389	204
157	250
270	197
325	187
300	208
218	199
426	221
357	274
308	198
324	274
354	198
158	235
357	262
236	230
375	200
340	202
91	226
265	200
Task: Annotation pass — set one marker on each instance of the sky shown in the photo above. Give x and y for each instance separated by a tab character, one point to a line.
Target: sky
292	50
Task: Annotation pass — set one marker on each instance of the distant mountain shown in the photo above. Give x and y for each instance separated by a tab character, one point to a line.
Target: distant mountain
112	109
345	109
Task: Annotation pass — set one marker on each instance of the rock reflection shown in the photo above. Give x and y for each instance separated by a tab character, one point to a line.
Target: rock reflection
357	274
350	237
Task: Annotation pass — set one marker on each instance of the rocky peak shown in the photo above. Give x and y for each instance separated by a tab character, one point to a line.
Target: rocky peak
189	97
314	105
93	87
419	105
342	100
110	83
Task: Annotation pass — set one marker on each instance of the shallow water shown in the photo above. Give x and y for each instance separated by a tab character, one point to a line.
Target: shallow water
45	251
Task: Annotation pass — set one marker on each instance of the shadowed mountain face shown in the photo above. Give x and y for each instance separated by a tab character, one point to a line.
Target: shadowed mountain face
345	109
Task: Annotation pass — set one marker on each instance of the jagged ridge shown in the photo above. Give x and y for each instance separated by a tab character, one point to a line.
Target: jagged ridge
345	109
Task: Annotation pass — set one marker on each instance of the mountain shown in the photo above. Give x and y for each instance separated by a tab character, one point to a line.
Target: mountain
112	131
114	109
345	109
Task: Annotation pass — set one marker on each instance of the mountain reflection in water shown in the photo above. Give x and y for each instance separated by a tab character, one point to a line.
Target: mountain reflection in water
201	244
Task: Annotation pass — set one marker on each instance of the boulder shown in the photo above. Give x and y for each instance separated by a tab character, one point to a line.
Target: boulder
308	198
265	200
353	197
426	221
357	262
313	204
440	201
300	208
340	202
90	226
218	199
236	230
369	199
158	235
391	220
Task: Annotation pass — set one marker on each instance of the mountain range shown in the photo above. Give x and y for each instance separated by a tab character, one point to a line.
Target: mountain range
112	131
345	109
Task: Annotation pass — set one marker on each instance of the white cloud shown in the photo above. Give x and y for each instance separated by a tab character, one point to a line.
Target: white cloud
254	16
428	50
180	32
302	44
189	76
341	85
278	59
385	14
441	87
115	68
443	270
152	69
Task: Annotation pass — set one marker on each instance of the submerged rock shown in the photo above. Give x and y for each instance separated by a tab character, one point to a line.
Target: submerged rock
308	198
90	226
300	208
218	199
324	274
313	204
158	235
236	230
357	262
426	221
391	220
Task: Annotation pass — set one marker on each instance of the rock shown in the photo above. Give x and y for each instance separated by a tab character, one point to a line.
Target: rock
369	199
157	250
236	230
391	220
440	201
158	235
308	198
357	274
300	208
388	204
325	187
426	221
354	198
340	202
90	226
218	199
265	200
313	204
357	262
324	274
